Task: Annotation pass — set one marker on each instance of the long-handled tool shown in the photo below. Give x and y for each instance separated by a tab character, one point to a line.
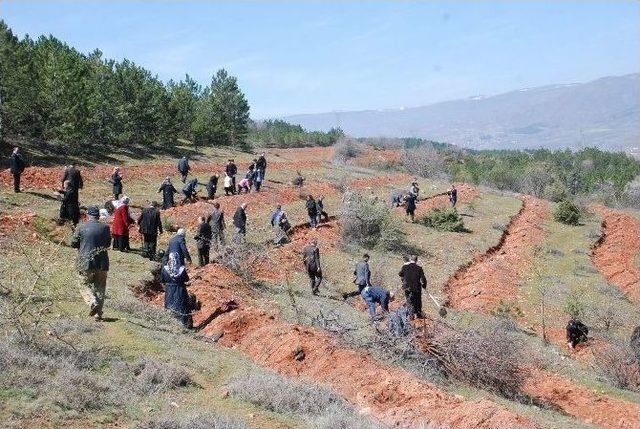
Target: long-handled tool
442	311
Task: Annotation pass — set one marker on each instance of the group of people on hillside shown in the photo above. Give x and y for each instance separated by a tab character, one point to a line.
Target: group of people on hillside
93	239
410	199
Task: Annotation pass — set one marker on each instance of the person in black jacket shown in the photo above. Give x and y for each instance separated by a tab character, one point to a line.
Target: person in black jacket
168	190
261	164
184	168
410	205
240	223
150	225
69	205
189	191
413	281
72	174
576	333
116	181
320	210
203	241
231	169
216	220
92	239
453	195
17	166
178	244
312	211
311	260
212	186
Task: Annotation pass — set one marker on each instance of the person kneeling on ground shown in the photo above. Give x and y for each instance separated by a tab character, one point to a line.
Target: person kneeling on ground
203	241
176	298
576	333
373	295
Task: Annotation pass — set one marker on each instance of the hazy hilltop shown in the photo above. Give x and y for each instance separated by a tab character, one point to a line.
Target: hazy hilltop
603	113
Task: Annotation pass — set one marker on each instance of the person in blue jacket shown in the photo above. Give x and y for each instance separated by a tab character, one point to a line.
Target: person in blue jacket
373	295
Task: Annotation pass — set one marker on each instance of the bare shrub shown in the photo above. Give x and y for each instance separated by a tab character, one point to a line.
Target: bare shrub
192	421
617	363
321	408
81	390
241	258
148	316
346	149
148	376
536	179
631	196
425	161
491	361
368	222
605	316
634	343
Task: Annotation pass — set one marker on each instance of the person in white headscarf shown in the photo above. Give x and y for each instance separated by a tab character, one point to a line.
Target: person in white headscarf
176	298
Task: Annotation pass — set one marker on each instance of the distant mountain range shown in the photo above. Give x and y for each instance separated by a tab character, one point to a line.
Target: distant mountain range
603	113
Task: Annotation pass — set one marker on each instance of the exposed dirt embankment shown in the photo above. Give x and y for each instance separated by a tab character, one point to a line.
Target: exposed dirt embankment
466	193
614	254
493	276
581	402
392	395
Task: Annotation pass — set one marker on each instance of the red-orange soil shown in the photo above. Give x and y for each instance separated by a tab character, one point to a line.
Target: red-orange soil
581	402
392	395
466	193
615	252
493	276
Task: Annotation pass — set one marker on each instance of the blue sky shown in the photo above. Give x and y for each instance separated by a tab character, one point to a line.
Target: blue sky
312	57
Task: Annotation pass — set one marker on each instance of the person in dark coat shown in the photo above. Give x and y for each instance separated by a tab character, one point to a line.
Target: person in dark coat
373	295
17	166
69	205
231	169
73	175
189	191
212	186
217	223
168	190
184	168
453	195
92	239
150	225
413	281
240	223
203	241
410	205
261	164
320	209
362	273
120	226
576	333
258	177
312	211
176	298
311	260
116	181
178	244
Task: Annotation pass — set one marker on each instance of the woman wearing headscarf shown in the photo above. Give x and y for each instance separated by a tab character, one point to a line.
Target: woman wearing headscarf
120	227
176	299
167	190
116	181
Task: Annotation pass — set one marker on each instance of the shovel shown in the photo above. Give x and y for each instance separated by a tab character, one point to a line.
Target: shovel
441	310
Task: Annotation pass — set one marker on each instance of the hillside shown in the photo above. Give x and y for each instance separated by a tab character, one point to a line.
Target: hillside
604	113
269	354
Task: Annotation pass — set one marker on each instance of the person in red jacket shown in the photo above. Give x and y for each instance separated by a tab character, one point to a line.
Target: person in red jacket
120	227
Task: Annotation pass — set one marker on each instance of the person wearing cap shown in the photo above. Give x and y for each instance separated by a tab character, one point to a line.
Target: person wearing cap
150	226
373	295
17	165
311	260
92	239
178	244
120	226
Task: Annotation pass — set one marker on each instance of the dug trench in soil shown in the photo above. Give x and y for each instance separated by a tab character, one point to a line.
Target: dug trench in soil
493	276
615	252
